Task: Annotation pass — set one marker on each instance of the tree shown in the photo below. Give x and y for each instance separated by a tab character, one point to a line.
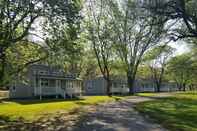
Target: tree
19	56
66	49
193	56
90	68
157	59
99	30
182	69
133	35
143	72
17	18
183	12
64	37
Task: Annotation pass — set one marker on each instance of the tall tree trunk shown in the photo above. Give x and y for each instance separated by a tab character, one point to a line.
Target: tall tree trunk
2	69
160	79
158	84
109	84
180	88
1	75
178	85
130	81
158	87
184	87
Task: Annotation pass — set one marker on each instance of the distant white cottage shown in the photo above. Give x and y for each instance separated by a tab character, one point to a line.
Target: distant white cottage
46	81
147	85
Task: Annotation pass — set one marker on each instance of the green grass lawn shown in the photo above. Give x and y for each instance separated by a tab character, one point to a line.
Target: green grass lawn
176	113
147	94
33	109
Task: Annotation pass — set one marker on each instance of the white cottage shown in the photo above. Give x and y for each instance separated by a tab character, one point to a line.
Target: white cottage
47	81
98	86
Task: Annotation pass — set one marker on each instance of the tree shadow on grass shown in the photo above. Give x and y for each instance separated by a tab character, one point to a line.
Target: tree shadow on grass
4	119
37	101
174	113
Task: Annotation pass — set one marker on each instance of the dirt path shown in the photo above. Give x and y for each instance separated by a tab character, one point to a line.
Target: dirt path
114	116
117	116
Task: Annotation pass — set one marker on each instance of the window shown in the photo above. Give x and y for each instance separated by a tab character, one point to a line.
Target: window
94	84
35	72
124	85
69	84
13	88
44	83
76	84
55	73
89	85
79	84
43	72
59	83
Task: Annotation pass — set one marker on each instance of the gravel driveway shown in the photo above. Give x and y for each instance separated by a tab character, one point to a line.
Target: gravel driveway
117	116
113	116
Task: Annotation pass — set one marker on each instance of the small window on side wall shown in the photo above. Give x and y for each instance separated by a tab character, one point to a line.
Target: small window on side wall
43	72
44	82
14	88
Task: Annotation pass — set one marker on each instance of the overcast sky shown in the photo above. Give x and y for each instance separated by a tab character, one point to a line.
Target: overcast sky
181	47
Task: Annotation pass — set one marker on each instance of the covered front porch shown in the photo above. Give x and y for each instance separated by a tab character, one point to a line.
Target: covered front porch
51	86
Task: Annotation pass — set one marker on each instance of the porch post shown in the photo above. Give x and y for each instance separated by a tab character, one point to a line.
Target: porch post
35	86
40	89
64	94
56	88
65	88
72	89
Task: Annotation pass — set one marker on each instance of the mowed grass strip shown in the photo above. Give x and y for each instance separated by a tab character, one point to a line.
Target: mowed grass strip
176	113
147	94
31	110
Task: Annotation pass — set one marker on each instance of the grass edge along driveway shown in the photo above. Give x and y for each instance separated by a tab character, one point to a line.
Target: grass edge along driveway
176	113
31	110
